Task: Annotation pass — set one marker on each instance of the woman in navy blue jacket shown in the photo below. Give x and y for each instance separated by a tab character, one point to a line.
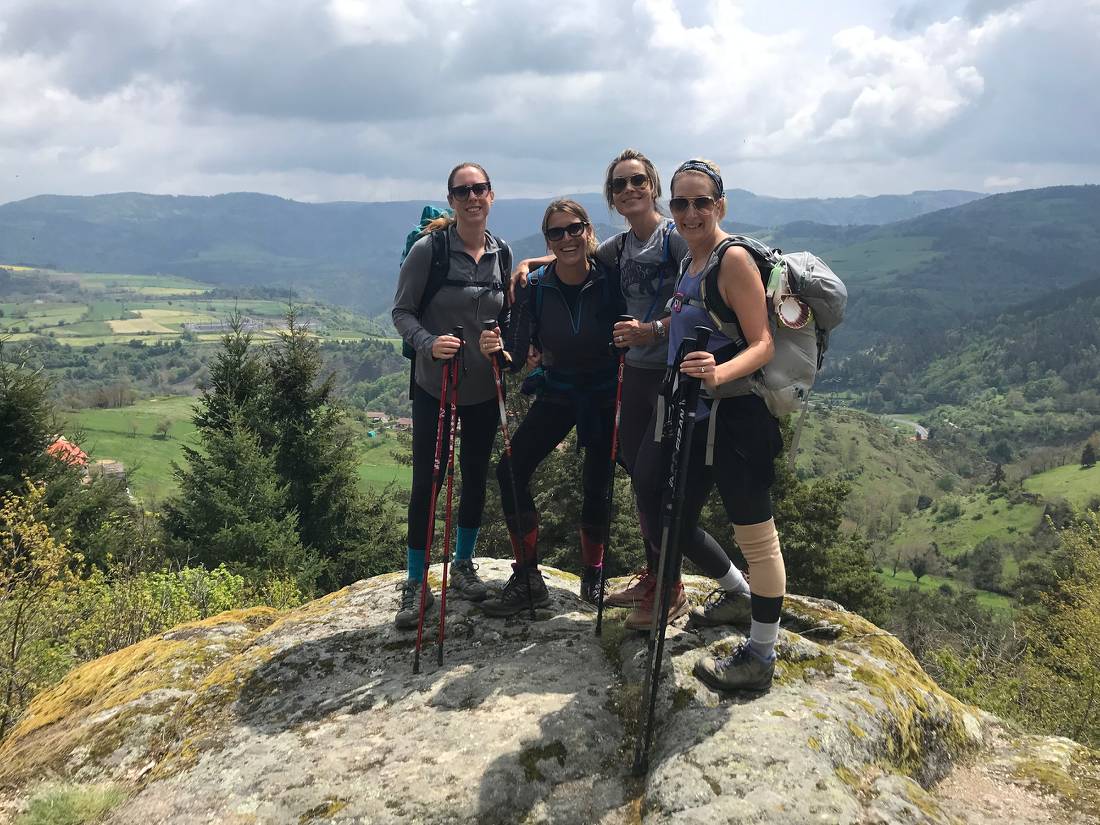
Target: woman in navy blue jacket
567	312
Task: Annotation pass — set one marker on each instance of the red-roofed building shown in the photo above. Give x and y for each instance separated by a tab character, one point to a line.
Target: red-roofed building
64	450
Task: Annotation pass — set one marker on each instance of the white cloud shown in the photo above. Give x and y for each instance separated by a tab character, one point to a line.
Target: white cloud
368	98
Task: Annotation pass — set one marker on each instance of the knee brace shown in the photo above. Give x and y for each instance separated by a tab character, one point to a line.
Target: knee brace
760	545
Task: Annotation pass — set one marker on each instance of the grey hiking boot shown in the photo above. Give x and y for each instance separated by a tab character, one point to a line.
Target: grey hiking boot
744	670
723	607
513	598
465	583
408	609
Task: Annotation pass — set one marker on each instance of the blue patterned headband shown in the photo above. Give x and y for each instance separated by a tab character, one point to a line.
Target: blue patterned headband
699	166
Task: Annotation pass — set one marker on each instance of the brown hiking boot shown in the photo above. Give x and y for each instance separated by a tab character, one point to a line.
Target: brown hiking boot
636	589
641	616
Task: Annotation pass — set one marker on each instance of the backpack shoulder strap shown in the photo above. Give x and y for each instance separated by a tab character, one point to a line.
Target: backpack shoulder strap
440	266
620	247
763	256
504	261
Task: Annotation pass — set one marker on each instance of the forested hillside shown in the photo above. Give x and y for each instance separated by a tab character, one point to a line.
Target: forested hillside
915	285
346	253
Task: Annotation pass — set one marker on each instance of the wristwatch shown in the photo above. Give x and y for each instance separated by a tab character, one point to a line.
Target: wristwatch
659	331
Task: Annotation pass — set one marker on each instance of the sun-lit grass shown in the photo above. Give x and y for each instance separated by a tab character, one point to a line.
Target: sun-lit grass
129	435
1076	485
132	326
929	584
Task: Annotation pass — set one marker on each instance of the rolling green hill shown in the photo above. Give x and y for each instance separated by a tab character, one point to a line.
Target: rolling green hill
346	253
913	282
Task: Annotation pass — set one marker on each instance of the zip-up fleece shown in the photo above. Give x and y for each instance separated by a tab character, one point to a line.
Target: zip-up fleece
571	345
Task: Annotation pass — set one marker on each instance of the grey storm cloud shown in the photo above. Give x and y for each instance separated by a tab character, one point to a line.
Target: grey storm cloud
349	98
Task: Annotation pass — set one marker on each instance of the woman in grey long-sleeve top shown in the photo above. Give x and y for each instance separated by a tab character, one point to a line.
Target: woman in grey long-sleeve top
472	292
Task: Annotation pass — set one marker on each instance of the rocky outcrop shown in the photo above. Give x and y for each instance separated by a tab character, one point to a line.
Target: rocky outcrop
315	716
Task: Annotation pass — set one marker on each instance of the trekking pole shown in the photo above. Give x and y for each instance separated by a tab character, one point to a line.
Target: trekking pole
672	506
611	480
498	377
450	492
431	515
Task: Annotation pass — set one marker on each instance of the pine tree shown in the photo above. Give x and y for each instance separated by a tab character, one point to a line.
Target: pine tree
315	453
231	506
1088	455
26	422
238	383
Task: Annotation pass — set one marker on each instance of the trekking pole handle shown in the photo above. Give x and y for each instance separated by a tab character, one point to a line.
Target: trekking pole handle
496	357
702	337
619	320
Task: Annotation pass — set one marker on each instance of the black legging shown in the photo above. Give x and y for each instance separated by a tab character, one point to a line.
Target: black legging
747	439
479	428
543	429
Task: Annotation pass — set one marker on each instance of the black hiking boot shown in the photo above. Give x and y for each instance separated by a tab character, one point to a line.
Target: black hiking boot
513	598
590	585
744	670
465	583
408	609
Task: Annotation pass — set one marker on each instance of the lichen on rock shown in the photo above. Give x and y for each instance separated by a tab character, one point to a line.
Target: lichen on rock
314	715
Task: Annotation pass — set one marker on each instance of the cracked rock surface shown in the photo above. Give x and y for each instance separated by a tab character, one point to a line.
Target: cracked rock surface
316	716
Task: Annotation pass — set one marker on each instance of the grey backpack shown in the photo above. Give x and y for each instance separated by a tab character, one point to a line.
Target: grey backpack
806	301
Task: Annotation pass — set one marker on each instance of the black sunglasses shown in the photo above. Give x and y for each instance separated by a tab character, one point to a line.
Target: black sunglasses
463	192
638	181
702	204
575	230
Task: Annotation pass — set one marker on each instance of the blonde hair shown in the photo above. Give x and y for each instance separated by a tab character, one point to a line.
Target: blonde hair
571	207
650	171
444	221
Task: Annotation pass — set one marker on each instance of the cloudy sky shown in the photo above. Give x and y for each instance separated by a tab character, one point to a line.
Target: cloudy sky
377	99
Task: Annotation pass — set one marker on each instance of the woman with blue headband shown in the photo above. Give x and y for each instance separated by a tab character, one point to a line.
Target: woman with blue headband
735	441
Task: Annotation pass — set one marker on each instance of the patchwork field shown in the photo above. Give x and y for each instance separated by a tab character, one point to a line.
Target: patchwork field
85	309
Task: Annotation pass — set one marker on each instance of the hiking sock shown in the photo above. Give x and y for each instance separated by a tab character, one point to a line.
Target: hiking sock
733	581
416	565
762	637
465	541
764	629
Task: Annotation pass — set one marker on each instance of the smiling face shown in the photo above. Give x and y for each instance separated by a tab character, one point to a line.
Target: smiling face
692	223
570	250
633	201
474	210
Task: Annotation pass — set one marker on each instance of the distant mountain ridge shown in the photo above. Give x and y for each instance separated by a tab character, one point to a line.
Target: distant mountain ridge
345	252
